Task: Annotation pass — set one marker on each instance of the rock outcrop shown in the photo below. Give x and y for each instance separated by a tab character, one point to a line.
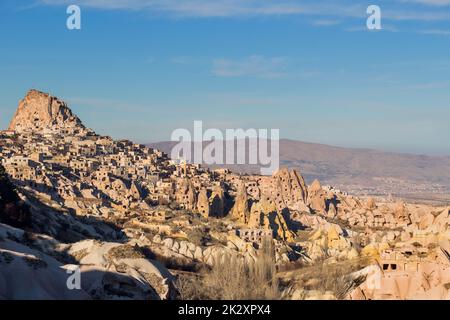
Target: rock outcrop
203	203
291	187
317	197
40	111
241	211
186	195
39	267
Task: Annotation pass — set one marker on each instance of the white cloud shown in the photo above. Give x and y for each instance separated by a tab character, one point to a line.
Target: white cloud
183	60
430	86
399	14
438	3
194	8
402	10
325	23
438	32
385	28
253	66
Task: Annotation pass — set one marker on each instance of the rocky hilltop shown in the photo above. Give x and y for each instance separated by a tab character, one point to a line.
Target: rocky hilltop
139	225
40	112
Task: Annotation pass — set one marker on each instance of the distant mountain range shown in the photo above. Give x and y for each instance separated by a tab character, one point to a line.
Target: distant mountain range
358	170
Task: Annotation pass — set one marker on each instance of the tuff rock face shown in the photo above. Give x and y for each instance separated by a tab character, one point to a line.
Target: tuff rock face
291	186
241	211
203	203
39	111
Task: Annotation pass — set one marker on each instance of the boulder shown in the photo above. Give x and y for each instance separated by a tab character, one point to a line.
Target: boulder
426	221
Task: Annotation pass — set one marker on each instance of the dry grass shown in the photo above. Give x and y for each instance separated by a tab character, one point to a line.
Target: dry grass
176	263
323	277
230	278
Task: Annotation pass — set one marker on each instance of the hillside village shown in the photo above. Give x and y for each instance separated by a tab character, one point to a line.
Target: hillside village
135	214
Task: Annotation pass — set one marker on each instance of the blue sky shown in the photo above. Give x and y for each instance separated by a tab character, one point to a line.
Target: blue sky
139	69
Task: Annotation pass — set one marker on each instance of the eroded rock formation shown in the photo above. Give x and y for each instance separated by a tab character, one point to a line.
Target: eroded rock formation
40	111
